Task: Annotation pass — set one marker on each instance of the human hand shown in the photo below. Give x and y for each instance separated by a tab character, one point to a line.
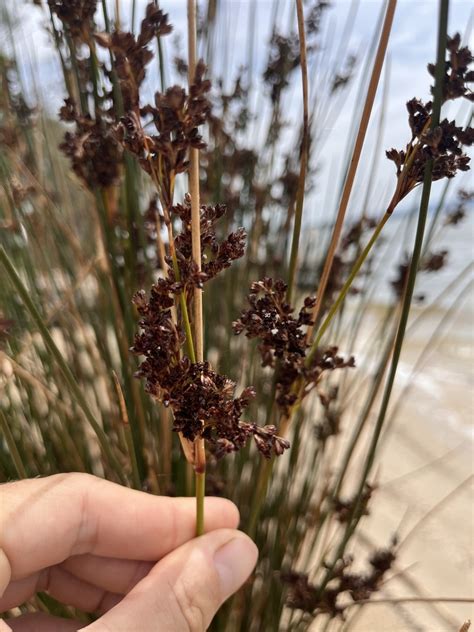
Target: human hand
98	546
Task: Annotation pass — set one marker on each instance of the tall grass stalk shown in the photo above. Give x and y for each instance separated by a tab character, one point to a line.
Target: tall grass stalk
354	163
199	447
304	153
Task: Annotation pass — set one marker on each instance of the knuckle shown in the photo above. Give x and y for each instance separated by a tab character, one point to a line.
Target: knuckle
81	478
190	611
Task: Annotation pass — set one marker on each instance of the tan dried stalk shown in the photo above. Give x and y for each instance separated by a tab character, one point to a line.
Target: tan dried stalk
346	193
199	446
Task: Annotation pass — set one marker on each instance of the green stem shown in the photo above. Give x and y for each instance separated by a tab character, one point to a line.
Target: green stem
161	62
57	42
82	95
304	155
184	312
264	474
65	370
132	25
187	328
378	379
133	456
346	287
95	77
200	494
106	16
10	440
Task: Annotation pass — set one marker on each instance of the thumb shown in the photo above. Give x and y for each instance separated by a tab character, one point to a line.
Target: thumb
184	590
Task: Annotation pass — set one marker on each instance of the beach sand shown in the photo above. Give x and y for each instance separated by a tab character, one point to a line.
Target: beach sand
425	476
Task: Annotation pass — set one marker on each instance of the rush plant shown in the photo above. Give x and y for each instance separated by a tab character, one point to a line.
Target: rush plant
133	227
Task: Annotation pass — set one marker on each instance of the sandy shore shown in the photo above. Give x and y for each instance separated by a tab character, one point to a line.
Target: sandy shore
426	487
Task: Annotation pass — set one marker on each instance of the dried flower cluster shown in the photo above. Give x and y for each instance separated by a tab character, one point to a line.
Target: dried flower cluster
444	144
457	73
341	79
283	59
459	212
432	261
95	147
305	596
284	55
399	283
217	255
76	15
330	423
344	508
6	325
355	231
94	151
176	117
203	401
15	114
315	16
131	54
283	343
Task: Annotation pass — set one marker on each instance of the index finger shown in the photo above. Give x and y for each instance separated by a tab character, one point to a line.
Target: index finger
45	521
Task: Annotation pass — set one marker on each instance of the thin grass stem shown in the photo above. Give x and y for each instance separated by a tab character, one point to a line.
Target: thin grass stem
346	287
304	154
128	433
396	600
10	441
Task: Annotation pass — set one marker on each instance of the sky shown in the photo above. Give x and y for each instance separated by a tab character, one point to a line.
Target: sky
412	45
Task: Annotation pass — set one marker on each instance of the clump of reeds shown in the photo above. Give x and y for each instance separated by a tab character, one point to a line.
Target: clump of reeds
131	230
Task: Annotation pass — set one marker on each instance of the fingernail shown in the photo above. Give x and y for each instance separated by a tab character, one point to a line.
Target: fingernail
234	562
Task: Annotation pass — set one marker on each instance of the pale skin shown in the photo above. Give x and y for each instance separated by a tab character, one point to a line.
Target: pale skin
128	555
